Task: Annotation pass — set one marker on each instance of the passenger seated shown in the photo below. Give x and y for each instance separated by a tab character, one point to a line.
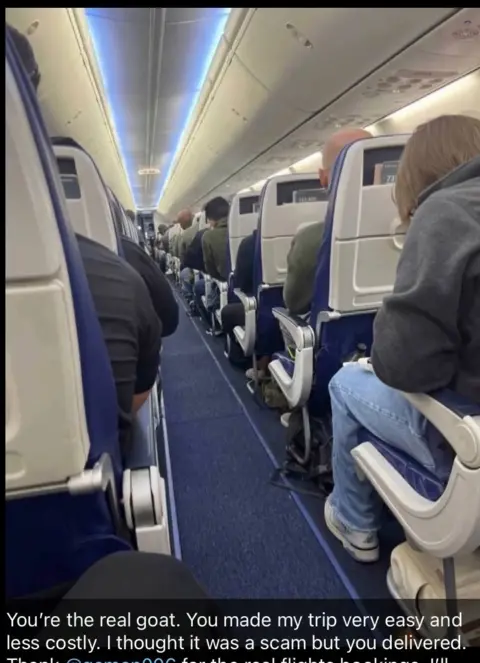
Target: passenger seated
215	240
130	326
175	239
131	215
194	254
214	247
163	299
302	257
185	219
233	315
426	334
165	243
160	255
131	329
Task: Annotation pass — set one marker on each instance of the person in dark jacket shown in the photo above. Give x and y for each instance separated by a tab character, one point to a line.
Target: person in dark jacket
215	240
233	315
427	332
194	260
194	254
161	294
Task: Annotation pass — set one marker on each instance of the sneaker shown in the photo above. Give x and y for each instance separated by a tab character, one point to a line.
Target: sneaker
250	374
362	546
285	419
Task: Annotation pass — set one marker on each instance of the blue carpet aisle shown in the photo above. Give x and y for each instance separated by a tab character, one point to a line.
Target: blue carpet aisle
241	537
366	582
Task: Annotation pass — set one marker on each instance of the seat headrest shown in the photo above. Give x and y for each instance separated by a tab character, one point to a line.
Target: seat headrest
361	187
87	199
280	217
242	220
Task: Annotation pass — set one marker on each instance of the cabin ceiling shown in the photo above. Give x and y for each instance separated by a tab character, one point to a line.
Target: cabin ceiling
152	62
298	75
281	80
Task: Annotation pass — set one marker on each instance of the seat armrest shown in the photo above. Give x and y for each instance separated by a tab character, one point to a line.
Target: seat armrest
222	285
142	451
299	330
456	418
249	303
459	428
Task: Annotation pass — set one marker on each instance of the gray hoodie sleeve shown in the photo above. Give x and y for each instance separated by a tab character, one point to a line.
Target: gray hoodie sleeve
416	333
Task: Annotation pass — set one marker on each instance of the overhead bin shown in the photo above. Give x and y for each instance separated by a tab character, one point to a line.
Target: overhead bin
306	57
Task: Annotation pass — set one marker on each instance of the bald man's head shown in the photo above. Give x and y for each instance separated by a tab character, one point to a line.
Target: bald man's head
334	146
185	218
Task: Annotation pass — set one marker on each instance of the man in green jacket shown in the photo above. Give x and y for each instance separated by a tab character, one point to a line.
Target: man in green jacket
303	254
215	240
189	230
185	219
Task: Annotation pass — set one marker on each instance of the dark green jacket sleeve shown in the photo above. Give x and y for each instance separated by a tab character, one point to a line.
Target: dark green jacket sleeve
301	267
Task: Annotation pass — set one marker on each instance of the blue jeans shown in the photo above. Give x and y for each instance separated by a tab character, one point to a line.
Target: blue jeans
360	400
186	278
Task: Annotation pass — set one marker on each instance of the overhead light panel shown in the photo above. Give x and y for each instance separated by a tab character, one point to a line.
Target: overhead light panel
149	171
211	49
106	67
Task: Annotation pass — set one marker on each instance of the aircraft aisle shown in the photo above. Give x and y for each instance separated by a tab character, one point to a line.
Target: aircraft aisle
222	450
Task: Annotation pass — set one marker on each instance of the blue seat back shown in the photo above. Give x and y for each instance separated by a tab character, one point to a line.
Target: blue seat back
279	217
53	538
357	258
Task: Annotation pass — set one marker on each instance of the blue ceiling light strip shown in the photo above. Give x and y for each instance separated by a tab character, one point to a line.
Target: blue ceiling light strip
104	69
210	54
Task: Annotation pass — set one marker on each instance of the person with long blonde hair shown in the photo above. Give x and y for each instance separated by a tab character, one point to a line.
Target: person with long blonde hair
427	332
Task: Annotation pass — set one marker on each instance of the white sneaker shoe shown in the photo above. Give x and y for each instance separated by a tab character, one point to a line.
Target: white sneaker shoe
285	419
250	374
362	546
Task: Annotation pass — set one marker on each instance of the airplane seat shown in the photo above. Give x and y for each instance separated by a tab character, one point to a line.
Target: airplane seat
356	267
440	518
62	458
92	214
124	226
242	221
132	232
89	206
118	215
279	217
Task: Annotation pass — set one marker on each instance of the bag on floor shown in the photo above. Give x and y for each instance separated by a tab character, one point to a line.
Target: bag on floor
314	466
272	395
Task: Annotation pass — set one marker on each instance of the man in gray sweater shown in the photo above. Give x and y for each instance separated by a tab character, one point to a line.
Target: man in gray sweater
302	257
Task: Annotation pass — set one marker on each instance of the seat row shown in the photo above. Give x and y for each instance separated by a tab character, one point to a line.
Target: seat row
356	268
71	499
